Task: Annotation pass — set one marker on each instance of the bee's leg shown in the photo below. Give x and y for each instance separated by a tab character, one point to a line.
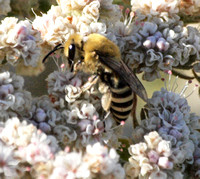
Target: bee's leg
106	101
107	114
91	81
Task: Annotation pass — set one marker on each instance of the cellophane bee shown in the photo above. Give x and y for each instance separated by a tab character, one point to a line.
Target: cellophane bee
97	55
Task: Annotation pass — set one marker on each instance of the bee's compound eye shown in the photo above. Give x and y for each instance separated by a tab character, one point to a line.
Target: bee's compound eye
71	54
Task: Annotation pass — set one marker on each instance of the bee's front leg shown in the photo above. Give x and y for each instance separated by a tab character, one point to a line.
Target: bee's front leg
91	81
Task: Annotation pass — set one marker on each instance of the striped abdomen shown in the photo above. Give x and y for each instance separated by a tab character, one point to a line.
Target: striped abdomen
122	97
121	102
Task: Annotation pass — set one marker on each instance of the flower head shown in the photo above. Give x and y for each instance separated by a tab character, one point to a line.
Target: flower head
14	101
150	158
19	40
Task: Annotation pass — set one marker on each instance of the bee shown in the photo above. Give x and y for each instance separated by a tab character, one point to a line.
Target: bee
97	55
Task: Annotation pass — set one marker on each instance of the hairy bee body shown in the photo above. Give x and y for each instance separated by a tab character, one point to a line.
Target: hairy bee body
88	50
99	56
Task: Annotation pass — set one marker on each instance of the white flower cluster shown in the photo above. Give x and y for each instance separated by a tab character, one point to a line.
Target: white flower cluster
14	101
72	16
96	162
151	159
26	147
19	40
155	7
170	6
54	26
169	114
4	7
26	151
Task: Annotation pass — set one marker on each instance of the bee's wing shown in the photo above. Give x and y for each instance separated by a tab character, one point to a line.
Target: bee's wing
126	74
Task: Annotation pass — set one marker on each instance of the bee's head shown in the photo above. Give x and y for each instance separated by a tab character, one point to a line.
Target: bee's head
73	50
71	56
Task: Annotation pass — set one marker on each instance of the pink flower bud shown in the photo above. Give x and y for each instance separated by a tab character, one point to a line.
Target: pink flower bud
122	123
153	156
62	65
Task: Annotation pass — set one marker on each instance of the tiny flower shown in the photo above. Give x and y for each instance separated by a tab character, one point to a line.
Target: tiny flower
150	42
45	127
152	139
162	44
165	163
145	168
72	93
164	148
138	148
40	115
153	156
158	175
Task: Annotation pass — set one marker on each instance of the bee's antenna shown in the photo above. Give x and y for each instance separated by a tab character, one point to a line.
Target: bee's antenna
57	47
